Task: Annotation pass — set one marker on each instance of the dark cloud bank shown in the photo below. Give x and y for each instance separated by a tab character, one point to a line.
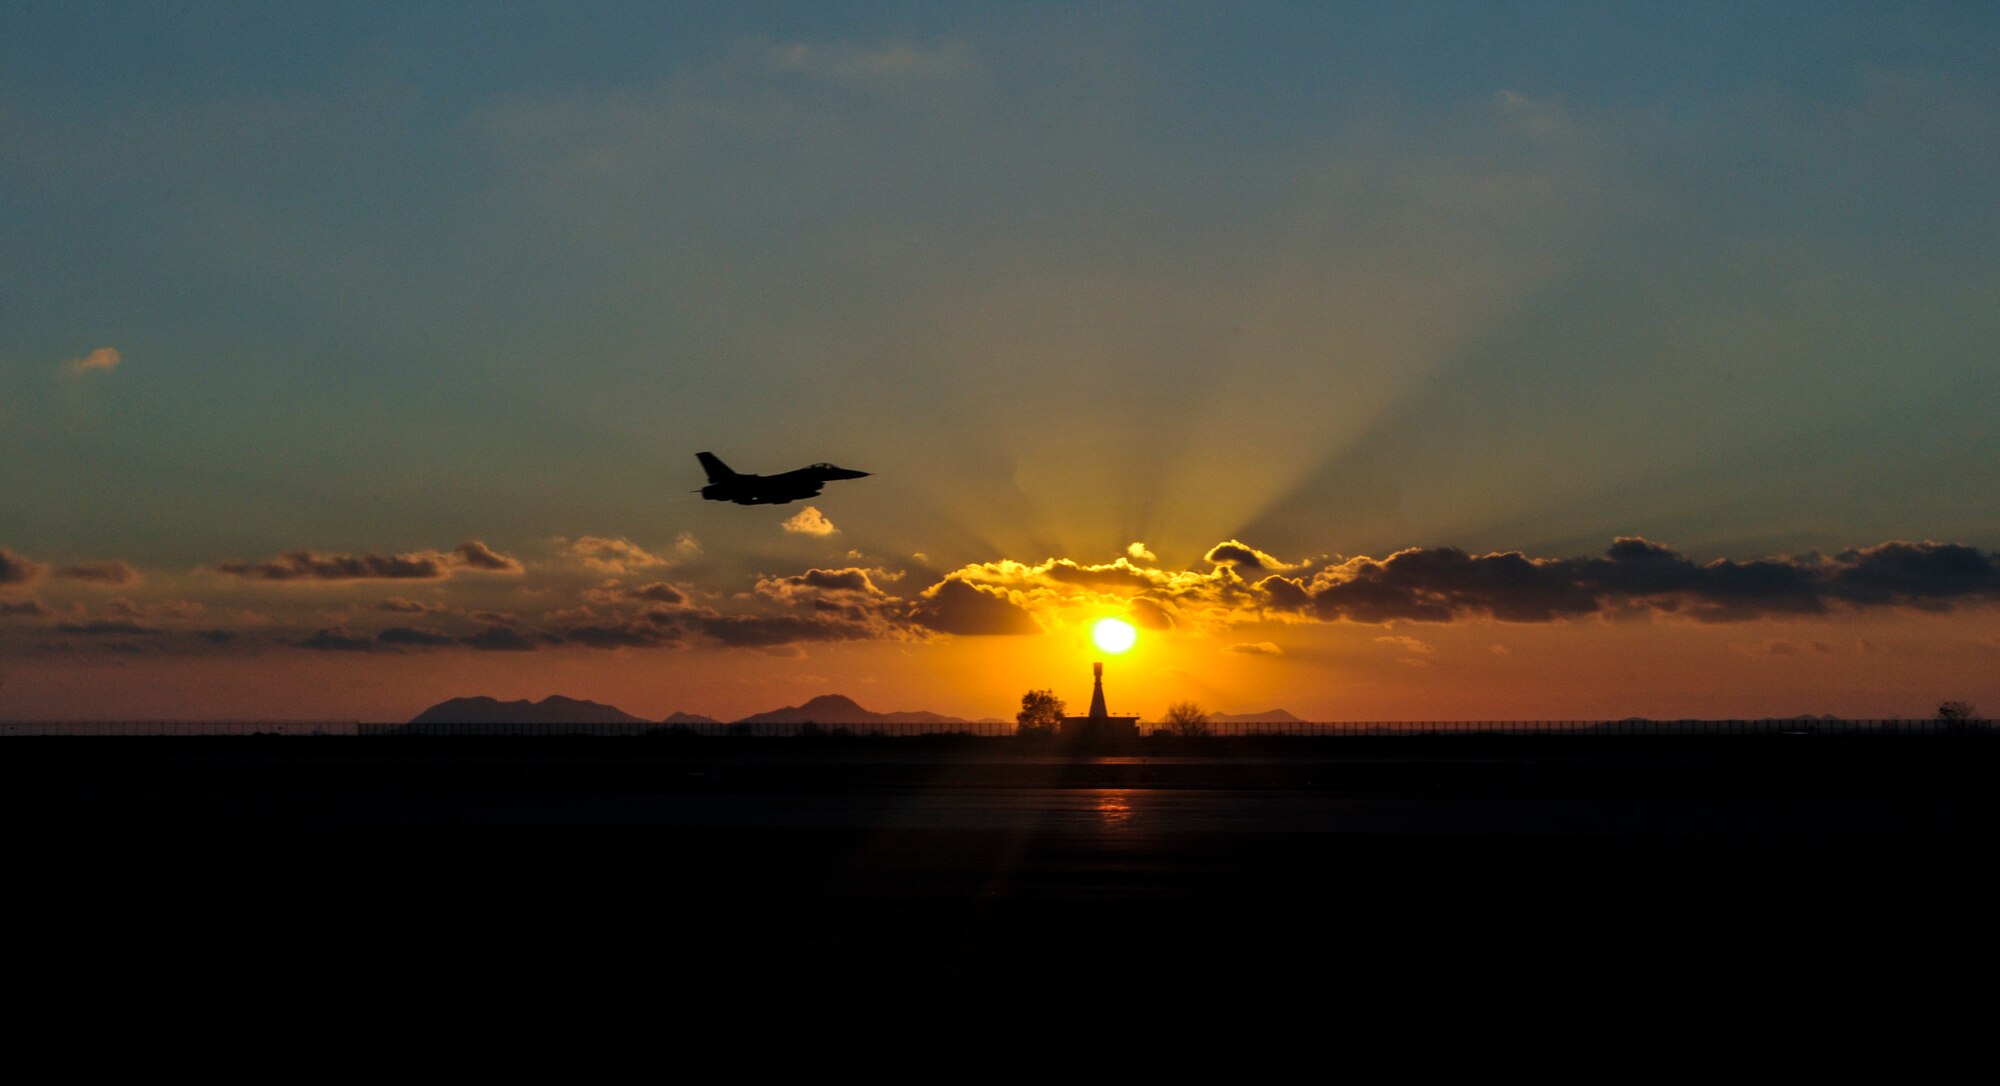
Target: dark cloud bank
1633	577
1442	584
305	565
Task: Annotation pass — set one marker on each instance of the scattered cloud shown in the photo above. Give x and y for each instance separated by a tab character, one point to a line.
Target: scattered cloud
476	555
611	592
1633	577
500	639
658	592
15	569
1138	553
851	579
1244	558
1407	644
955	606
305	565
616	554
116	573
101	359
810	521
335	639
638	635
97	626
1254	648
413	635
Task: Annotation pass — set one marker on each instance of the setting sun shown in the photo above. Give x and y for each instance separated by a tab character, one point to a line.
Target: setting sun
1113	635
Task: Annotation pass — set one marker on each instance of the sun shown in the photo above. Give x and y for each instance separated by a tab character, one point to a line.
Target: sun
1113	635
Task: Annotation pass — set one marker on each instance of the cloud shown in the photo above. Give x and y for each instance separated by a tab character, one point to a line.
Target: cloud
304	565
767	631
1152	614
1254	648
1217	597
850	579
103	358
98	626
1244	557
100	573
499	639
15	569
1407	644
1444	584
613	637
954	606
403	606
1138	553
810	521
335	639
413	635
32	608
617	554
476	555
658	592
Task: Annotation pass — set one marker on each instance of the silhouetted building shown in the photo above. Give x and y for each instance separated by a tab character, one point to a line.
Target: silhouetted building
1099	724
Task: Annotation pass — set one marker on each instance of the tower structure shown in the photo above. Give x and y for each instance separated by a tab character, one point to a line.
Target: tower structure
1099	725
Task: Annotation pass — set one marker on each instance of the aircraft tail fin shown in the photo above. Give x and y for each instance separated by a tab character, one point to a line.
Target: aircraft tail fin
718	472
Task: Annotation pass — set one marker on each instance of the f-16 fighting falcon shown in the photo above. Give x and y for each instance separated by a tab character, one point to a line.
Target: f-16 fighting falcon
726	485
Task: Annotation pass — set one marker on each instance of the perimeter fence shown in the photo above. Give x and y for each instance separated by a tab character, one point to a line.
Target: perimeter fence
181	727
992	729
1255	729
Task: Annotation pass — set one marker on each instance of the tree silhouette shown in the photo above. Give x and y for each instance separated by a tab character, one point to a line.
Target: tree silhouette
1186	719
1957	716
1041	713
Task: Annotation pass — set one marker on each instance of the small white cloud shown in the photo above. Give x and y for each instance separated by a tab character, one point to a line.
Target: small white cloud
810	521
103	358
1138	553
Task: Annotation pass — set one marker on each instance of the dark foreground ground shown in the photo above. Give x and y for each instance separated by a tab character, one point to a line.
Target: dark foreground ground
776	887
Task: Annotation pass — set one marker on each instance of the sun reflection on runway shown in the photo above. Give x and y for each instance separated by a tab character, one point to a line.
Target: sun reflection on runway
1114	808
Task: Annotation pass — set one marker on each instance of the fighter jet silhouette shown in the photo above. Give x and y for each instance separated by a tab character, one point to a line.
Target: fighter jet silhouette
725	485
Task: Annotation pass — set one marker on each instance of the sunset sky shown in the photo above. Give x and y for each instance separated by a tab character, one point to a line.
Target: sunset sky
1377	361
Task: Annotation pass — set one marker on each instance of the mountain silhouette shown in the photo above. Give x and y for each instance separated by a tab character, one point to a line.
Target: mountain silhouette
1268	716
554	709
690	718
839	709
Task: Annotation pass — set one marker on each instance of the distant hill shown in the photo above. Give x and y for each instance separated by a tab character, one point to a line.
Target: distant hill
690	718
554	709
838	709
1268	716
